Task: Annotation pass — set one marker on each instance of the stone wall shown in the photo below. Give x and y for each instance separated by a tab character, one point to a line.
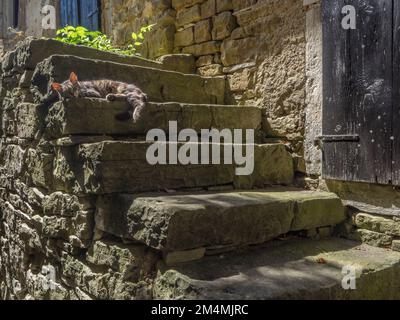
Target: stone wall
49	245
121	18
259	45
313	121
72	179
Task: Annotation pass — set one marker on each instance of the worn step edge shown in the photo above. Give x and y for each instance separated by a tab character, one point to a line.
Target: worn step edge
297	269
201	220
97	116
32	51
159	85
123	167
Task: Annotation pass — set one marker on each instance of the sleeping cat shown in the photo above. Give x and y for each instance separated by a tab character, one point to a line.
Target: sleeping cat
108	89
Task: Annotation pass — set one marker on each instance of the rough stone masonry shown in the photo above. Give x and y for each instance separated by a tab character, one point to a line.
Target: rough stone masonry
54	168
74	220
260	45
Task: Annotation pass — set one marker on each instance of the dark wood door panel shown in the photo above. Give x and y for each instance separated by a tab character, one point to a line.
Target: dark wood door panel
396	93
358	91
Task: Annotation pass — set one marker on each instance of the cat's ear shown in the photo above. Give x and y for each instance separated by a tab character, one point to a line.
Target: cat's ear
56	87
73	78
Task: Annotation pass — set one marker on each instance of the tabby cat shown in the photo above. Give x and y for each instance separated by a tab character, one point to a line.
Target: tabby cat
108	89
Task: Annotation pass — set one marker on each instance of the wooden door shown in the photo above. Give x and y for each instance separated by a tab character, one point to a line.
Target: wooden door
90	14
84	13
359	77
69	13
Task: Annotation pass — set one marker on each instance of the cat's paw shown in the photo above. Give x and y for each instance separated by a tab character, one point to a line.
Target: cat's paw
111	97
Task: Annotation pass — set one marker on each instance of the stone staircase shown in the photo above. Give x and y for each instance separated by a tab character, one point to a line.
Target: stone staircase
79	197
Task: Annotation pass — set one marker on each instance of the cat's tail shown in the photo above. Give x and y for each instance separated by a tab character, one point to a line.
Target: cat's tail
133	112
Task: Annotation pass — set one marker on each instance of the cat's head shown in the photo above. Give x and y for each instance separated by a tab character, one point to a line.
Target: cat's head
69	88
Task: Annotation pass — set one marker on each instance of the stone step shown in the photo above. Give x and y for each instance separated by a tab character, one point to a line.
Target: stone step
97	116
295	269
190	221
32	51
159	85
122	166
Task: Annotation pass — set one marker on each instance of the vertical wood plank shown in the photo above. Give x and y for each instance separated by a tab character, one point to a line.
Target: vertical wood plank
338	162
358	91
396	93
69	13
90	14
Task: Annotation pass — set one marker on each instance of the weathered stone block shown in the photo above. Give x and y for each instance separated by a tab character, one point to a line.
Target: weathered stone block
159	42
210	70
242	4
104	286
184	38
13	159
61	204
203	49
134	262
286	270
159	85
184	63
202	31
204	60
377	223
180	223
223	24
56	227
29	119
188	221
241	80
188	15
396	245
311	211
97	117
178	4
83	225
32	51
40	168
208	9
107	168
372	238
224	5
238	51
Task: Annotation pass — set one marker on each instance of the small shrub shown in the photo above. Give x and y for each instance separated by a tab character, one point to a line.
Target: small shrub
97	40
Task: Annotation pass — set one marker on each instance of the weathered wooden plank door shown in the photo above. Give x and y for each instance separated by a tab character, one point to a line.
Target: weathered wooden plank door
90	14
396	93
84	13
69	13
358	80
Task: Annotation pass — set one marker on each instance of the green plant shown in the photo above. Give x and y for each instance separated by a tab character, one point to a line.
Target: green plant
97	40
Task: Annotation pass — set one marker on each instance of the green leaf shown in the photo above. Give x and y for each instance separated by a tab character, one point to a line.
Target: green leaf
95	39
